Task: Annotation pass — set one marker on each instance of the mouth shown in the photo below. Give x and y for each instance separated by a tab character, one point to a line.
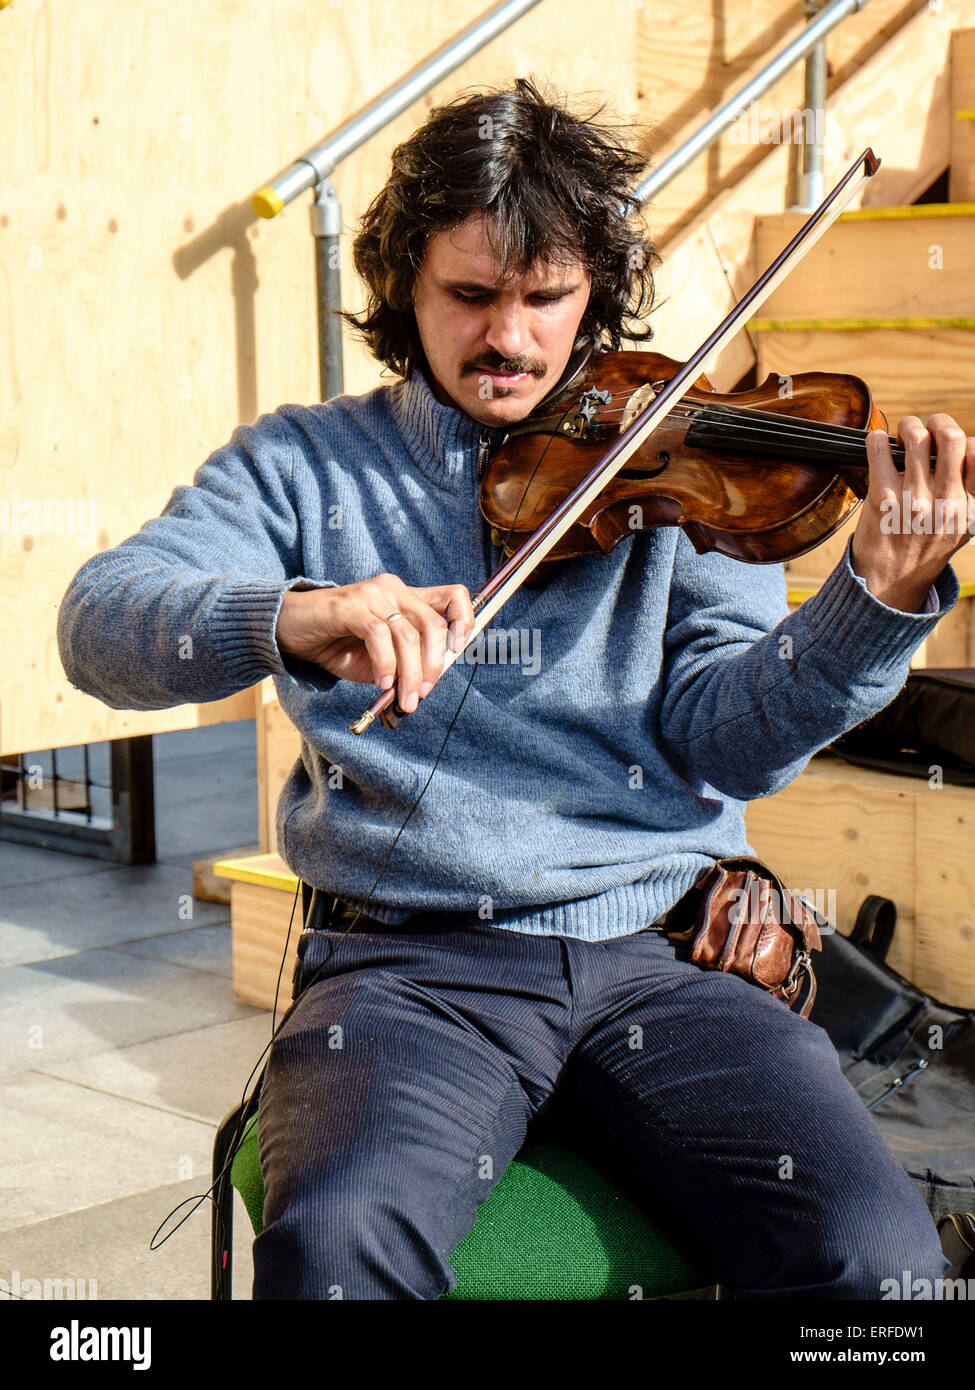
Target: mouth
504	378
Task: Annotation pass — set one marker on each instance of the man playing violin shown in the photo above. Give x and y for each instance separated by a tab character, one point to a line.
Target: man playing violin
486	885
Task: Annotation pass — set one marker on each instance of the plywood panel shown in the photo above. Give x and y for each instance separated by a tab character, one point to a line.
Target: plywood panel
826	832
911	266
693	58
278	748
127	279
961	181
860	832
944	952
941	362
906	81
146	310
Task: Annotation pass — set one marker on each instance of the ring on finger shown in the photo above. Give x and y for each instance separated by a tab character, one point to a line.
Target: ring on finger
393	616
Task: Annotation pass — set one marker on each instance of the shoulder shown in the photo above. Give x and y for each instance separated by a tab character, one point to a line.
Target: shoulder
326	430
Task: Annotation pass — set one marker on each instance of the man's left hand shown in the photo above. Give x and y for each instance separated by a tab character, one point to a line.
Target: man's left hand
911	523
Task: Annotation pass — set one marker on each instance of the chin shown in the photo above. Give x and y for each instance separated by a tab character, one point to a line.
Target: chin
503	409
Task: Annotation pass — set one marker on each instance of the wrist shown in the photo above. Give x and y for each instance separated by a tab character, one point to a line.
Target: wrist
289	615
908	593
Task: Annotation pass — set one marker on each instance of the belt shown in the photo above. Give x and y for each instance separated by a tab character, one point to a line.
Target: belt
329	913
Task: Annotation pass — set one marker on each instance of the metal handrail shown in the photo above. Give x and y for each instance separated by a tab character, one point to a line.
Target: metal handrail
318	162
312	169
727	114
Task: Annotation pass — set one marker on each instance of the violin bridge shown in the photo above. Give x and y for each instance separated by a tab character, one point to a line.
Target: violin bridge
637	403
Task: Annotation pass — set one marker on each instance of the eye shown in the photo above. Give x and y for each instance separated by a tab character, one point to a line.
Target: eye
470	298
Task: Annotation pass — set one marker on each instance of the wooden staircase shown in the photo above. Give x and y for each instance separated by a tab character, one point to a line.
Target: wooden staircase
889	295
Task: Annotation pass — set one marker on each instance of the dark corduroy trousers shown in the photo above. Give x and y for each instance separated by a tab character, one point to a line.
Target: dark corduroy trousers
410	1066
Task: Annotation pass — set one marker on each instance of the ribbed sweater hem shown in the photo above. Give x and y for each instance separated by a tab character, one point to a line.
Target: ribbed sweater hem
620	911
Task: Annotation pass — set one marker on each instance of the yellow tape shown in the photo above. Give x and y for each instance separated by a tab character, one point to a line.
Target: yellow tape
843	325
901	214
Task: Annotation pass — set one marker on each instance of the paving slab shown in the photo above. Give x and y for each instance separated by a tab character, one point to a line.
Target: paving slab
203	948
43	921
23	864
205	804
107	1246
200	1075
67	1147
207	738
87	1003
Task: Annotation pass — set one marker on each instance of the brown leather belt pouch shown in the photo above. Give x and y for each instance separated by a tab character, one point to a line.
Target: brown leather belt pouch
740	918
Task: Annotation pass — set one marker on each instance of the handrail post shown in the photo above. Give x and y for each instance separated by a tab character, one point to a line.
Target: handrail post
325	215
729	112
813	122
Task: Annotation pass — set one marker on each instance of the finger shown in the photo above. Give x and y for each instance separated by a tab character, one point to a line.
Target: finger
433	639
916	498
969	481
948	482
363	622
414	637
454	602
433	630
406	641
884	483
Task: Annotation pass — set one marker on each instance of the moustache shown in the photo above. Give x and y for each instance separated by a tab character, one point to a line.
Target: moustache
509	365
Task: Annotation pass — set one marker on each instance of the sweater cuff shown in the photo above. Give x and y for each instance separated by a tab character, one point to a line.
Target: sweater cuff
878	638
242	627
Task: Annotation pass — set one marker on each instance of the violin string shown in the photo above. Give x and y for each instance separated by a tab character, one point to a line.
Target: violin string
692	409
796	425
777	423
838	440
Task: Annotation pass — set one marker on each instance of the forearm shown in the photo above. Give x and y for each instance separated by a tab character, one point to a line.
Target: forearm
138	636
747	724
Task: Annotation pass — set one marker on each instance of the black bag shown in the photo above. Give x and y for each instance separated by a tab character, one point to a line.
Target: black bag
930	722
887	1033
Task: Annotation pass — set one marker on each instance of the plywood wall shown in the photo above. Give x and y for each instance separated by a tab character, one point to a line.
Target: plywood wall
145	311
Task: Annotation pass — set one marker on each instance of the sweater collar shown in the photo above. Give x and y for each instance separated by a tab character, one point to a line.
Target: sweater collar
443	441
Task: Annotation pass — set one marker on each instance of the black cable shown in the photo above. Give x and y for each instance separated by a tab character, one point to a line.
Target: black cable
246	1100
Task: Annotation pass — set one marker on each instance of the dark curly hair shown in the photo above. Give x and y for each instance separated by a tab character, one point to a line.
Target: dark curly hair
554	185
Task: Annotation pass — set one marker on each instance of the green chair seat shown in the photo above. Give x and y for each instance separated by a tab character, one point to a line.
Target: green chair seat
553	1228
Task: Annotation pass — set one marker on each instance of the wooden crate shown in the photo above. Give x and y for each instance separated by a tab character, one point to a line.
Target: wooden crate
854	832
264	916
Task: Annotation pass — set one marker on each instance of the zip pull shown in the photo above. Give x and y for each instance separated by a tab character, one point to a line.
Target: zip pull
483	454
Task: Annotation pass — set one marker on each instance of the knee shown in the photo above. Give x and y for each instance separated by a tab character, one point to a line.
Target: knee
349	1234
875	1258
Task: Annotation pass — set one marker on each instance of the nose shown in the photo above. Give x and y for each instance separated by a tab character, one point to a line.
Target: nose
508	332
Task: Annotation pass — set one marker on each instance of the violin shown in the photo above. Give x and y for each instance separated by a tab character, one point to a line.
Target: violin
761	475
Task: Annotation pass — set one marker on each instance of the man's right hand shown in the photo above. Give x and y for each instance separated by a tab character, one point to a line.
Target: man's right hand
347	631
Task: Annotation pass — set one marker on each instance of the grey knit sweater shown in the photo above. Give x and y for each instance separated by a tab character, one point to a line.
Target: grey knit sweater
617	720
